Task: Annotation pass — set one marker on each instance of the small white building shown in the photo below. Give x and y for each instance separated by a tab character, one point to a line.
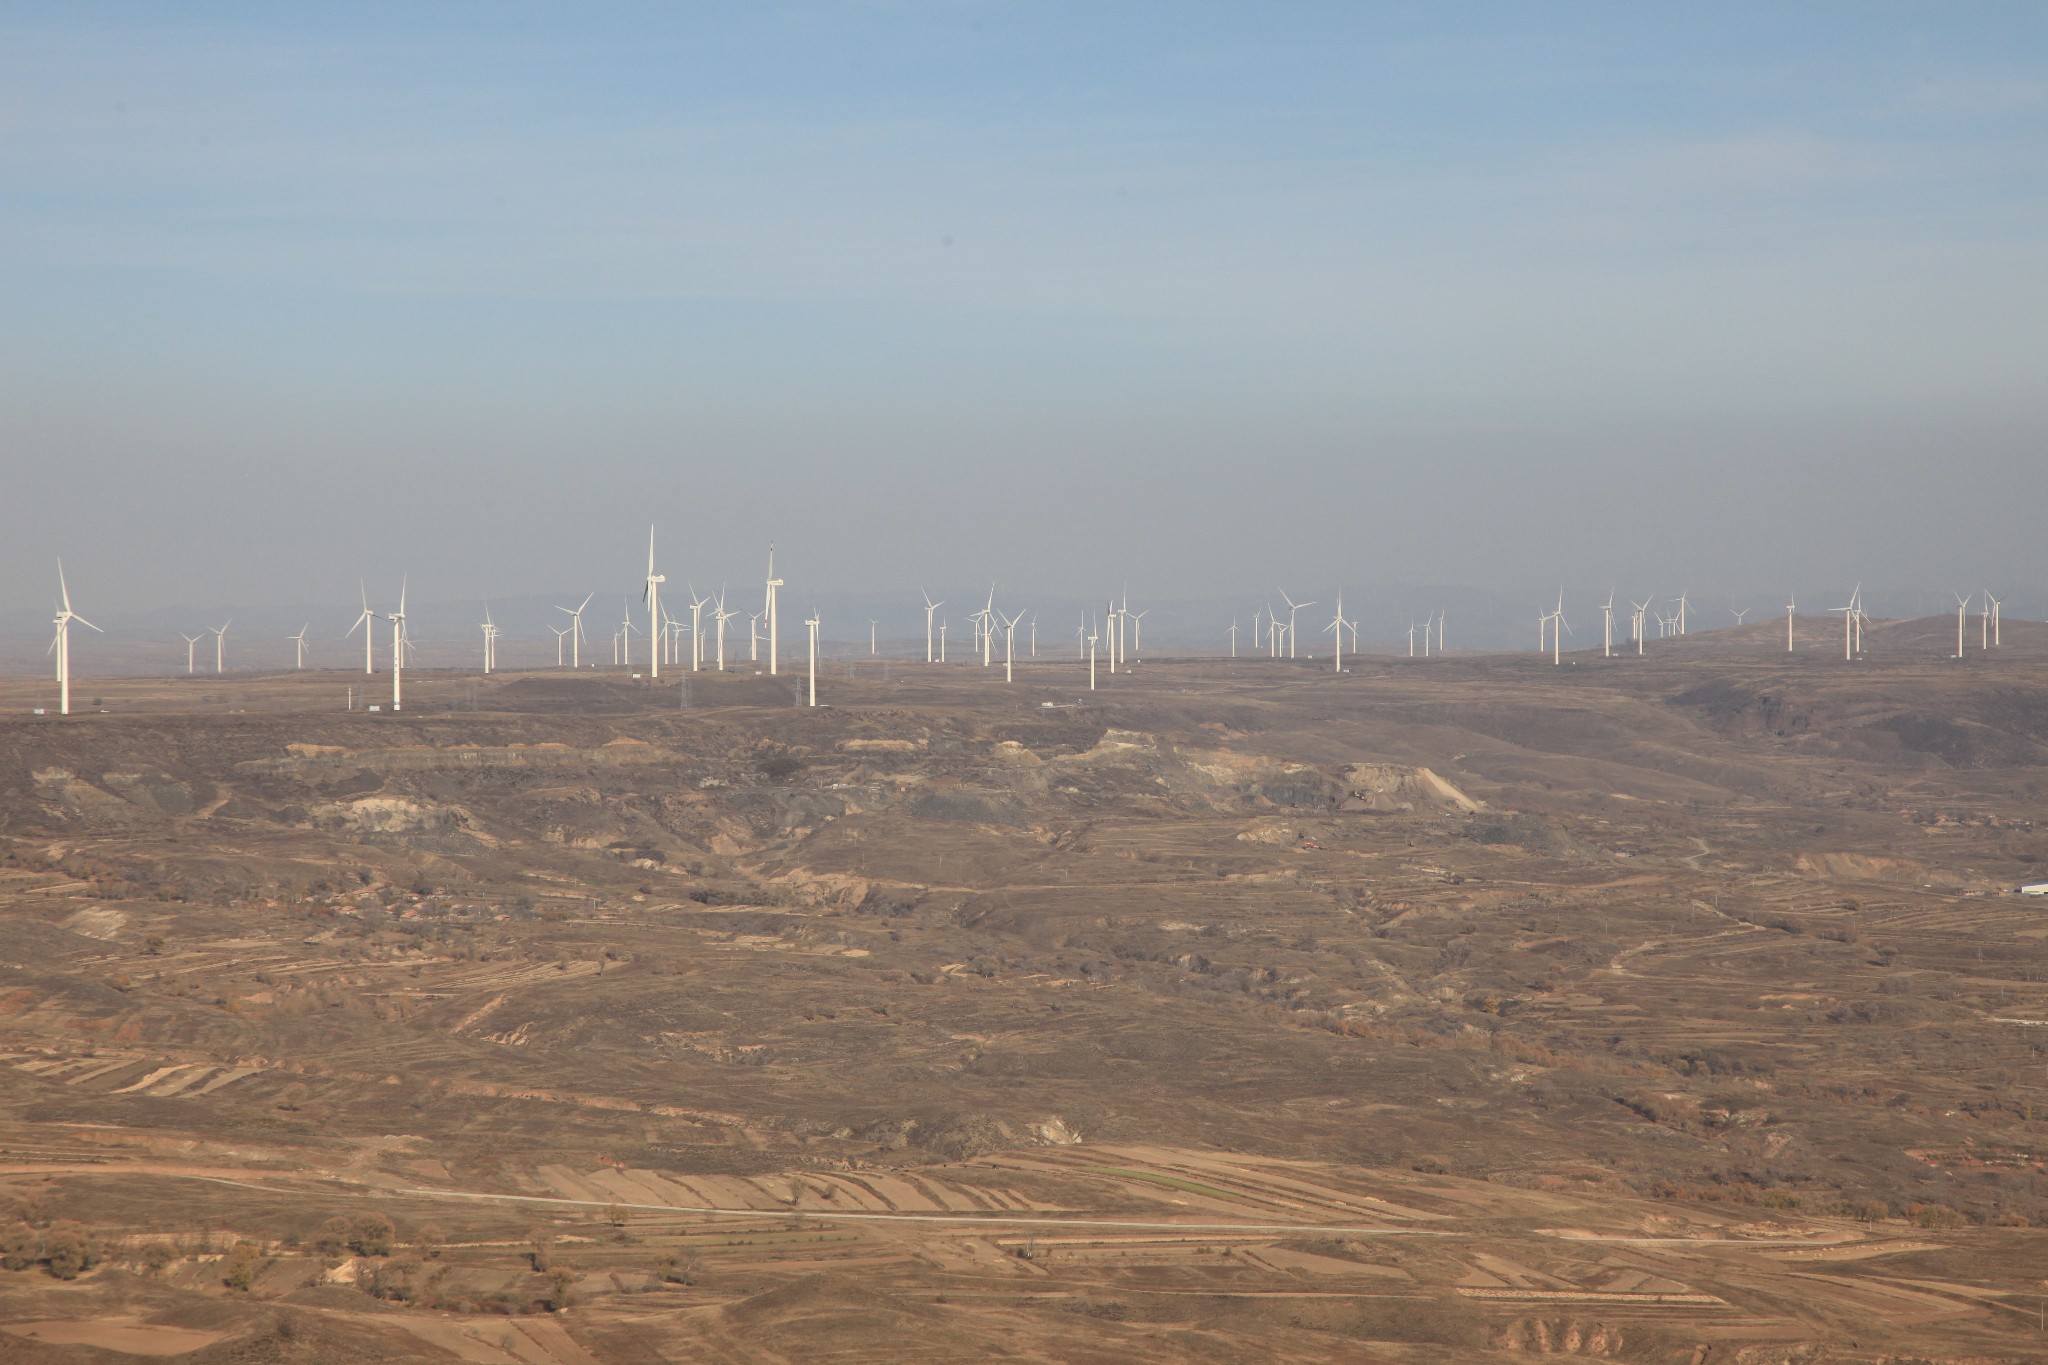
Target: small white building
2034	889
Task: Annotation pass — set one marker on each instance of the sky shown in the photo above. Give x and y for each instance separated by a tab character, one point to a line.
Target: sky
1194	297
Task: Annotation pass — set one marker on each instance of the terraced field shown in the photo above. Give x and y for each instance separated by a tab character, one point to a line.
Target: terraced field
1670	1012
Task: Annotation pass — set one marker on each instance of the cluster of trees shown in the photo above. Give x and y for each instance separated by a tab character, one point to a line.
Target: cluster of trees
64	1248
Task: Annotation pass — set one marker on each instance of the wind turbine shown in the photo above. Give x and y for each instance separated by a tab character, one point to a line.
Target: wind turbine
61	644
490	641
1849	626
1337	624
812	622
872	649
719	616
1791	605
626	629
1681	613
929	608
1233	637
191	642
985	626
1738	613
1010	646
1137	631
654	582
768	610
1034	633
1091	660
1607	627
697	605
1557	633
1984	624
561	632
1641	609
576	629
1962	609
942	640
1292	607
300	641
367	624
220	648
1995	605
397	620
1411	639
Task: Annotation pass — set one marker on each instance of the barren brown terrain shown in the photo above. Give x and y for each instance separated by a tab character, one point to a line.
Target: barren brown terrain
1674	1009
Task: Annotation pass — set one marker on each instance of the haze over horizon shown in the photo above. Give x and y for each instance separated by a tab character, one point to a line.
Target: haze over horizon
1192	298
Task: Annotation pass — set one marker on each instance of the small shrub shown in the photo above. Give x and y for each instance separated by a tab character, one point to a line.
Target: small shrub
69	1250
372	1235
239	1271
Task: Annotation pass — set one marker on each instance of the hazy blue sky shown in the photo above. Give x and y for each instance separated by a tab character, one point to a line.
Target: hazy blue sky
1198	297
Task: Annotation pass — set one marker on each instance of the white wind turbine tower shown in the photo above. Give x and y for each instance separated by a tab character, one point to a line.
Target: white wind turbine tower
1791	606
1557	631
1109	632
397	619
1010	645
812	622
654	623
1984	624
1233	636
985	627
561	633
1641	610
367	623
300	641
1427	622
942	639
576	629
220	648
60	645
1995	605
1849	623
753	637
1856	608
872	647
490	640
626	629
697	605
1336	626
1292	608
1681	613
1962	610
1439	635
930	607
1738	613
1034	633
1091	660
719	616
768	611
191	643
1607	627
1411	639
1137	631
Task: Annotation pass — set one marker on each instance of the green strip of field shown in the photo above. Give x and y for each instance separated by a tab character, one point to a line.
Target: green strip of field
1152	1177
